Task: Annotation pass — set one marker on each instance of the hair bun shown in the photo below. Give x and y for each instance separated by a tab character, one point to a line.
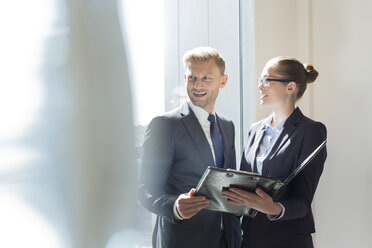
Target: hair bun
308	67
312	74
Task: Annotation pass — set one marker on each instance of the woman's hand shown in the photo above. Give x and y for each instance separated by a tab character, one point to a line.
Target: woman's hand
260	200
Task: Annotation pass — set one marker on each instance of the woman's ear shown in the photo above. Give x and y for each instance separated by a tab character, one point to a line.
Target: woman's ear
291	87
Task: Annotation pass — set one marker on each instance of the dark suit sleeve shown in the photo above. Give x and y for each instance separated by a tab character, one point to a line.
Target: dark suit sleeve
156	162
302	188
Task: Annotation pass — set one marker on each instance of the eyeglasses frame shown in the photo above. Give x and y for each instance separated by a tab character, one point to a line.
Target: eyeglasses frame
266	81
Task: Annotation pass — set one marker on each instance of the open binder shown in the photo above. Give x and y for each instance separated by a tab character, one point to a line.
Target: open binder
216	179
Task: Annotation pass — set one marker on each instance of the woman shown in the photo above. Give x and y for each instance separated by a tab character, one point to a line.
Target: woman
276	146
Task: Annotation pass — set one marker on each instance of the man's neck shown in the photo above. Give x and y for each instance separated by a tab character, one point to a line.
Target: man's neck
200	109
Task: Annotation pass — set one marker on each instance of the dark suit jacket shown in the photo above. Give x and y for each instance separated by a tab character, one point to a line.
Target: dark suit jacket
299	137
174	157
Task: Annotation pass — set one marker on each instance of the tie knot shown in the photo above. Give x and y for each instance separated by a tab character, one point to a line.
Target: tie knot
211	118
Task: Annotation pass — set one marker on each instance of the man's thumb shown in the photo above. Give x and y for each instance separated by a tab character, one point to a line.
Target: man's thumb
192	192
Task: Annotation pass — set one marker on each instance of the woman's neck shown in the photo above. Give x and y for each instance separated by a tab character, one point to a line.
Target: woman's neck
280	114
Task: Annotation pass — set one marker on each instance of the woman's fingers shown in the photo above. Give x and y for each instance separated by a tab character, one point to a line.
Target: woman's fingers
262	194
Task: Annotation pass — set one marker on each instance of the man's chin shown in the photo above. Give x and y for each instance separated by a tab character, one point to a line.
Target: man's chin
198	103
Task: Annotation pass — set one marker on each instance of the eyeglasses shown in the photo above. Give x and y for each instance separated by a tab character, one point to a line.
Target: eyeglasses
266	81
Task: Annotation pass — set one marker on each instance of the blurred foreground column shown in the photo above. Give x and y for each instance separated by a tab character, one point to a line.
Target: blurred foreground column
100	181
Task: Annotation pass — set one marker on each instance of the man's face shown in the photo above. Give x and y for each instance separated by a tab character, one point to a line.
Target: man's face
203	82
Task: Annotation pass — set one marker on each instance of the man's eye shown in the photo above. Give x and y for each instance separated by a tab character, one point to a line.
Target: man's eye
191	78
206	78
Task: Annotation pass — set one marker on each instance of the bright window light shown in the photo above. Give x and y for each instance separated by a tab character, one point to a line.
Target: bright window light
145	37
25	26
21	226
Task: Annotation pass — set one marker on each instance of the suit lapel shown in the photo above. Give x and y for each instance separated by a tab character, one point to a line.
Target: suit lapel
288	128
197	134
225	140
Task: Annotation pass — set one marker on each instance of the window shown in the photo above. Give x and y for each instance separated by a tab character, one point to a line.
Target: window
51	132
157	34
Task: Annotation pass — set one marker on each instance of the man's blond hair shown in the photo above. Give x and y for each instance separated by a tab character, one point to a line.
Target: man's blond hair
201	54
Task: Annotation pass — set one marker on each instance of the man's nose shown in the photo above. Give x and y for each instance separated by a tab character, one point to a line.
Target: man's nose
198	83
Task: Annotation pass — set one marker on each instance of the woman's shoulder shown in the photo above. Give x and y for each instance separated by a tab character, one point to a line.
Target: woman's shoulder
313	124
298	118
313	130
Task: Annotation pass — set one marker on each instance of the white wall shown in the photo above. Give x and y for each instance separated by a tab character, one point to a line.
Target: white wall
341	46
335	36
281	28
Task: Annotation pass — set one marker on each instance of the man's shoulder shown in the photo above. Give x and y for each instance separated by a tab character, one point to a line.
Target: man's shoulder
173	114
224	118
167	119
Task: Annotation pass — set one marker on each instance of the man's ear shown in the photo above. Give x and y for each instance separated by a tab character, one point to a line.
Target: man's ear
291	87
223	81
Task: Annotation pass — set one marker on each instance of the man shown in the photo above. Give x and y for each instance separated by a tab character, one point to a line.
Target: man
177	149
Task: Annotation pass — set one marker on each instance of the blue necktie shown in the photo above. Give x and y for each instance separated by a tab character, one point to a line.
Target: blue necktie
217	142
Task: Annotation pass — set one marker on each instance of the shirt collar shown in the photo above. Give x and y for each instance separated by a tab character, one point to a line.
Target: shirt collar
200	113
277	128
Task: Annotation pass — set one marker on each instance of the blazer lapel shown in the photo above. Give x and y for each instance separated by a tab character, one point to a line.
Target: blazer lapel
258	138
288	128
197	134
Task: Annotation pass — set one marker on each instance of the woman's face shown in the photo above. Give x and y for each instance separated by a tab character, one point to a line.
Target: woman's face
274	93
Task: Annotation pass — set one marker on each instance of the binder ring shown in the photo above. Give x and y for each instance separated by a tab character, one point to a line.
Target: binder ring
229	174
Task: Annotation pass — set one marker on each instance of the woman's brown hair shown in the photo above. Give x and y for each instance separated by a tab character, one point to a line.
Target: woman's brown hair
292	69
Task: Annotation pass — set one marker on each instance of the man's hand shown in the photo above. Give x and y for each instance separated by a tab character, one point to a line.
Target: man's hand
259	200
189	205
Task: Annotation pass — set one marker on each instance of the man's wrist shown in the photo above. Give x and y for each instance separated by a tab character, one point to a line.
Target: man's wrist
278	209
278	216
177	215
